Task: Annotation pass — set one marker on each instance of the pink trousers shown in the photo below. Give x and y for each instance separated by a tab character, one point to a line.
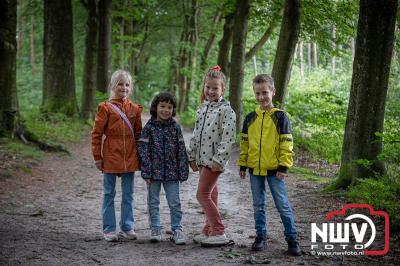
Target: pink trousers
207	195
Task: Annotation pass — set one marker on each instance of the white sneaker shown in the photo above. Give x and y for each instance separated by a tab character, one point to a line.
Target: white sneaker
178	237
218	240
110	236
199	238
155	236
131	235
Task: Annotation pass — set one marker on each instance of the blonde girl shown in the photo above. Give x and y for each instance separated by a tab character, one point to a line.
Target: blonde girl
119	120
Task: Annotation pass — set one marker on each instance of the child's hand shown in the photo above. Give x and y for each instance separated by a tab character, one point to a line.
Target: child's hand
216	167
148	181
99	164
193	166
281	175
242	174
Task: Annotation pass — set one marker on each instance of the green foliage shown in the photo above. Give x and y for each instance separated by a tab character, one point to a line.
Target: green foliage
188	118
318	111
54	128
382	193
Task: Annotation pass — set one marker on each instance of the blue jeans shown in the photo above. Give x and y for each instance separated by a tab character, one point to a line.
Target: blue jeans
108	211
279	194
153	200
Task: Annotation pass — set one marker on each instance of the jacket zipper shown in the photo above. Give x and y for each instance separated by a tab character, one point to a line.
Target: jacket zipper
259	157
163	165
202	128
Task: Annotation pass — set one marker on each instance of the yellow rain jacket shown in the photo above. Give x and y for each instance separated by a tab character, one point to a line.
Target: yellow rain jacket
266	144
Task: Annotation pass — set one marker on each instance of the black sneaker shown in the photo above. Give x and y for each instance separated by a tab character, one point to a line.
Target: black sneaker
260	243
294	248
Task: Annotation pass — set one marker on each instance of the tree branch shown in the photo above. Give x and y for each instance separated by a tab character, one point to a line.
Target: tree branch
253	51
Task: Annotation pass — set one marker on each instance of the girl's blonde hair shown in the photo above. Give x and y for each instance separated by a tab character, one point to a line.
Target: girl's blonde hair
213	73
116	77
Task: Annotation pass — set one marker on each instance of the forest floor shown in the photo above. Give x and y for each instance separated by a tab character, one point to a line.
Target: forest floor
51	216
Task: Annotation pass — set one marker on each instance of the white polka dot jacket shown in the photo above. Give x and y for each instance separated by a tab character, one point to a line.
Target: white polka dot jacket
214	134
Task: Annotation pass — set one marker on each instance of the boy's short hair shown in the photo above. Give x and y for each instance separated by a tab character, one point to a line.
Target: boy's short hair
264	79
165	97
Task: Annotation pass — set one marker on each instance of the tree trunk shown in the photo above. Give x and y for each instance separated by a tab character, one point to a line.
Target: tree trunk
193	38
188	56
9	111
284	53
210	42
365	115
267	34
20	10
32	45
309	66
353	49
89	72
182	66
104	45
238	59
315	54
225	45
255	65
58	59
301	60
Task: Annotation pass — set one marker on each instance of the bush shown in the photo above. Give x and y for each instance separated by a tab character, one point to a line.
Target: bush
382	193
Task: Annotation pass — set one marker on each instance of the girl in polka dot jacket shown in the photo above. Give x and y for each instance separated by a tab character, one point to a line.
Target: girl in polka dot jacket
209	151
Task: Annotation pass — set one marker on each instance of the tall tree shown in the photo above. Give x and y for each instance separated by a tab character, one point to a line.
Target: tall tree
58	62
89	72
20	12
9	111
288	37
238	58
315	54
301	58
365	115
225	44
104	45
187	54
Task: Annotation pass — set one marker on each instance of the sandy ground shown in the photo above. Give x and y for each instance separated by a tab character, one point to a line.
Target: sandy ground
51	216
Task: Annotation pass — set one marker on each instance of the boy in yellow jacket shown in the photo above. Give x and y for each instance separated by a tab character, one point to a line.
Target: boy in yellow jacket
266	151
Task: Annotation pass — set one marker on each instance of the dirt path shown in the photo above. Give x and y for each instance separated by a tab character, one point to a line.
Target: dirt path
52	217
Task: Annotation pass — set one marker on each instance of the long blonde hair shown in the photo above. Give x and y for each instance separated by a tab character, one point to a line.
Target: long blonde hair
116	77
213	73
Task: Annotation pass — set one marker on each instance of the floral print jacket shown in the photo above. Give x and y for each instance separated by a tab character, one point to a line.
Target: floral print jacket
162	151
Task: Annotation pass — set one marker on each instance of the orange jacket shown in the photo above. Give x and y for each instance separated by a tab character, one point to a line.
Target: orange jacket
118	151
